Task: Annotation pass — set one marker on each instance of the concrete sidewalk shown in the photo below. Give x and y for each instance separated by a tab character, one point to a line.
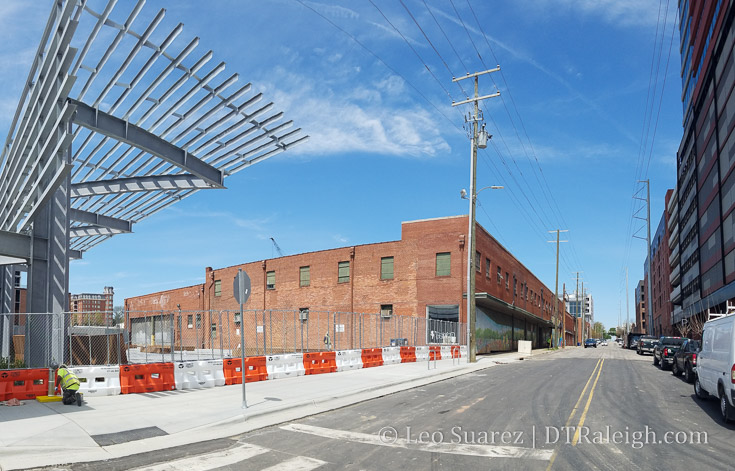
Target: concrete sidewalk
37	434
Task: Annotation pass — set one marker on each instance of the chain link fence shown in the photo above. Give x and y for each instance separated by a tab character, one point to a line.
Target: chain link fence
38	340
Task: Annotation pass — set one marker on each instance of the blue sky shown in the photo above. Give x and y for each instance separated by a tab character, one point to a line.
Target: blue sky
585	86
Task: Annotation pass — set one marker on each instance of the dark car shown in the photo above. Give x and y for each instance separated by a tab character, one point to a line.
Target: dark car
590	343
685	360
663	353
646	344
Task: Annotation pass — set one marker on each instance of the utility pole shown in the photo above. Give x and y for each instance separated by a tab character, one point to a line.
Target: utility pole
627	306
647	199
482	137
556	288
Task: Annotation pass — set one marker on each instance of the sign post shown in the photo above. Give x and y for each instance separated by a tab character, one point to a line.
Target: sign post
241	290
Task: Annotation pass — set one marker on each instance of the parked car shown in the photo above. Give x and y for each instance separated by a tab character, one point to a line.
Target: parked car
663	352
716	365
590	343
604	343
685	360
646	344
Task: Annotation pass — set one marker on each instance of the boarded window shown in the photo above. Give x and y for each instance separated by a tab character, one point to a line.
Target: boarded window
386	268
304	276
487	268
270	280
443	264
478	261
343	272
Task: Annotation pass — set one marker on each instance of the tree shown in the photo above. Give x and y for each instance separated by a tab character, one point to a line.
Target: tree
598	330
118	315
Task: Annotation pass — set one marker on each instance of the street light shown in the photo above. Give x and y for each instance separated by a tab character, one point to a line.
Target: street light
471	271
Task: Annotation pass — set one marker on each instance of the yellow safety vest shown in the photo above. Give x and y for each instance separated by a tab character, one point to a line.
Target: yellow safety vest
68	379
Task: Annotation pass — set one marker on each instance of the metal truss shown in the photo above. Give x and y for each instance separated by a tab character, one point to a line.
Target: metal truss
132	117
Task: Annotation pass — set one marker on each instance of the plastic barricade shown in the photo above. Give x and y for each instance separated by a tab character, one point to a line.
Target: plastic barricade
151	377
455	351
98	380
435	352
422	353
408	354
320	362
446	351
199	374
349	360
372	357
255	370
391	355
285	366
463	351
23	384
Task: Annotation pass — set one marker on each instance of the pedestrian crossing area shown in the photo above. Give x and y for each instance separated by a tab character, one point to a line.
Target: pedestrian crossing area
240	456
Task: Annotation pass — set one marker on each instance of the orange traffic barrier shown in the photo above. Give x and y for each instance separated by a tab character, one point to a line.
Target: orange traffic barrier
151	377
455	351
23	384
408	354
320	362
435	352
255	370
372	357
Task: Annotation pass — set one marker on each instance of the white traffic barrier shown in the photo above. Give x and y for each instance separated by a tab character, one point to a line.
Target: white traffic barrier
198	374
463	351
348	360
98	380
391	355
422	353
446	352
285	366
524	346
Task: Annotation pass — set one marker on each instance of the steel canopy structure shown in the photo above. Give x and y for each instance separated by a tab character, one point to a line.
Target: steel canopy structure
119	118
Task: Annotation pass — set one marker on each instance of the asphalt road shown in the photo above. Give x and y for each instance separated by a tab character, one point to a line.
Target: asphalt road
522	415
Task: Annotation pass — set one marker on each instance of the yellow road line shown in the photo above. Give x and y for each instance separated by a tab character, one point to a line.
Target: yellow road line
581	396
586	408
576	406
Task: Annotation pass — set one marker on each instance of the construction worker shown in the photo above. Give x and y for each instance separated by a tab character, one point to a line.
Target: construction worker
69	385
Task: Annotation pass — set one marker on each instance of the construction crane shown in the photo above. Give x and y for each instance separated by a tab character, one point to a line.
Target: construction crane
278	249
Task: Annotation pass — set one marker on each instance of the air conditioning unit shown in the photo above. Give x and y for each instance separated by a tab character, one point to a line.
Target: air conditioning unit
385	314
304	315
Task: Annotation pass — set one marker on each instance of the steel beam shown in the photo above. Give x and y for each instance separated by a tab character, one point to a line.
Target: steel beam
136	184
88	217
86	231
15	245
123	131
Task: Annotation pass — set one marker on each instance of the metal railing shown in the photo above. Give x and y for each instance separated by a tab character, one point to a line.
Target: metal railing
38	340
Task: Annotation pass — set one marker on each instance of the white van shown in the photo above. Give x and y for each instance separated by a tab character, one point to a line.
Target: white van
716	365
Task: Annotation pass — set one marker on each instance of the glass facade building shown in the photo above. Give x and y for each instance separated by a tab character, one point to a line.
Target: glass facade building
706	160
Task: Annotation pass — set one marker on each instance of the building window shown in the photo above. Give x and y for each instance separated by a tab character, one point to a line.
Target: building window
386	310
214	330
199	321
487	268
218	287
507	281
515	286
500	275
304	276
343	272
303	314
386	268
443	264
190	321
270	280
478	261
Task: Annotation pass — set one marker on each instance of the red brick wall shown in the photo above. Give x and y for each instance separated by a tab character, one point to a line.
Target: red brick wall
414	286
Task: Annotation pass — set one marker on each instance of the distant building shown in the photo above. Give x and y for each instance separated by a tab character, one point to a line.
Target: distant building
641	320
92	308
575	306
661	307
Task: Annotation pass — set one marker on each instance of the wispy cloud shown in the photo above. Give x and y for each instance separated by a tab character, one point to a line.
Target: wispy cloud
619	12
372	119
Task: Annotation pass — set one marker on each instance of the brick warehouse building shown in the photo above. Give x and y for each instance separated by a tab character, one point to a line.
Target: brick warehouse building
423	276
